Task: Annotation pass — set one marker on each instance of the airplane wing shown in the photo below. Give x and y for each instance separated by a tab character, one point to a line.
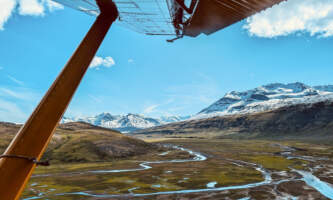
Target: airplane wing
177	17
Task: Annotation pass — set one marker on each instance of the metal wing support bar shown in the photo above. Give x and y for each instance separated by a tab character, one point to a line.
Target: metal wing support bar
189	10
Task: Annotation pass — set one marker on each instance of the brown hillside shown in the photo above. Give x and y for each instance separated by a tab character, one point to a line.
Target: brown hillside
312	121
82	142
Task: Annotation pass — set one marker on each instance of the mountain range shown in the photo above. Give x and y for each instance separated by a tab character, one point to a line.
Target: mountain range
125	123
267	97
308	121
260	99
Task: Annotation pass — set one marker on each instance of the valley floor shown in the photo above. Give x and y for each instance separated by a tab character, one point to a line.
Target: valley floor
202	169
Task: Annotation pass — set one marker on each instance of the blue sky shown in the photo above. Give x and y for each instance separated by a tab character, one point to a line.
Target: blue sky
144	74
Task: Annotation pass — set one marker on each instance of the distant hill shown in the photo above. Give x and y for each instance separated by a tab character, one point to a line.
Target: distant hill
309	121
83	142
125	123
266	97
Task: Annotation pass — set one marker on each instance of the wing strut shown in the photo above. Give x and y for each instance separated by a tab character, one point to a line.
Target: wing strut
33	138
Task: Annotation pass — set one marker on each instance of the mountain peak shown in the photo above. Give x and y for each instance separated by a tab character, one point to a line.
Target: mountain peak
124	123
294	87
266	97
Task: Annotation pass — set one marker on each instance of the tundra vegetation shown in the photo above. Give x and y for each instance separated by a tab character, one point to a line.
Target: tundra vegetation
229	163
87	163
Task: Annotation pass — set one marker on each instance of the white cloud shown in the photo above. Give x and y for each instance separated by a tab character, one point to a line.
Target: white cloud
6	9
15	80
52	6
187	98
158	109
11	112
95	99
16	103
31	7
150	109
102	62
25	7
11	93
293	16
19	93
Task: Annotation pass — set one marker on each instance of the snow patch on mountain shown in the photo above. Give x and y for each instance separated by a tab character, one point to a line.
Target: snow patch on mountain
263	98
267	97
125	123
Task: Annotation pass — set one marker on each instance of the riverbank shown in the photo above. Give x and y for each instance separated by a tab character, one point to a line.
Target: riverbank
238	169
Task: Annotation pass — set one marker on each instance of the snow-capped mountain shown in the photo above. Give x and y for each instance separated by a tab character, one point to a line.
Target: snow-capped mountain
267	97
170	119
325	88
263	98
125	123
